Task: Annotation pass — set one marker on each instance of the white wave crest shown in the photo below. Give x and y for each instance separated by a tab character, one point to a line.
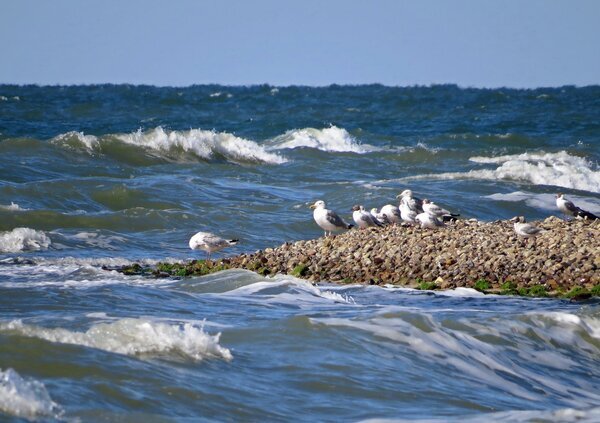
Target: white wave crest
558	169
133	337
23	239
332	139
75	139
12	207
202	143
27	399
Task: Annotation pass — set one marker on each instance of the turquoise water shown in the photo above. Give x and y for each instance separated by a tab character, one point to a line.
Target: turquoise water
107	175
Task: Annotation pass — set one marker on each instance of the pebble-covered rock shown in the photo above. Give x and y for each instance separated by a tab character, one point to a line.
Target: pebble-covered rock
467	253
460	254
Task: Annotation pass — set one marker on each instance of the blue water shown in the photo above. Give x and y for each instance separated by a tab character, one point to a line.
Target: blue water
107	175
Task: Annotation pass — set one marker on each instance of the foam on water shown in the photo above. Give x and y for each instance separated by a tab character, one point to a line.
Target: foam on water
332	139
559	169
23	239
131	336
12	207
25	398
75	139
496	350
287	289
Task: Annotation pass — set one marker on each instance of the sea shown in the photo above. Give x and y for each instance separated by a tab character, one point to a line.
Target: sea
94	177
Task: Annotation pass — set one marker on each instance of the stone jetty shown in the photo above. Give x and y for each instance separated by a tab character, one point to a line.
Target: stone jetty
562	261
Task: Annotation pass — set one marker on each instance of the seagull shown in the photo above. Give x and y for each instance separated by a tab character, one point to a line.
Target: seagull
435	210
392	213
328	220
363	218
568	208
525	230
428	220
413	203
209	242
406	214
380	217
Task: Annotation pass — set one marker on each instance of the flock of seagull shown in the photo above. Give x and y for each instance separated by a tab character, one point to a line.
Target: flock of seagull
427	214
411	210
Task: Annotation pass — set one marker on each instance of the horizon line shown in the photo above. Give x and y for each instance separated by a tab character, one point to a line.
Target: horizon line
251	85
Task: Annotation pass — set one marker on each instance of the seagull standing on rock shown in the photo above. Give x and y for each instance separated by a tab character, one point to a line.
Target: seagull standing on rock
363	218
525	230
380	217
435	210
392	213
328	220
427	220
413	203
210	243
568	208
407	215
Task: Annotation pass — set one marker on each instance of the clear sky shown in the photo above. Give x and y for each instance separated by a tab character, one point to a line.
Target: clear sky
479	43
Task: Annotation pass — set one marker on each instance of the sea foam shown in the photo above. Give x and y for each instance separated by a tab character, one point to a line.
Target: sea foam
558	169
131	336
23	398
332	139
23	239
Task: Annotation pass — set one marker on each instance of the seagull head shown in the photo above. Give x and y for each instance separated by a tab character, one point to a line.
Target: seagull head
426	201
518	219
560	195
405	193
356	207
318	205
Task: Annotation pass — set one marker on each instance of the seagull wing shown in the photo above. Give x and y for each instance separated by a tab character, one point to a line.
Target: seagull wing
335	220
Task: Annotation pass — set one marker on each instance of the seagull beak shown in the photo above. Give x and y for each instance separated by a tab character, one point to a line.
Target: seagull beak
399	196
312	206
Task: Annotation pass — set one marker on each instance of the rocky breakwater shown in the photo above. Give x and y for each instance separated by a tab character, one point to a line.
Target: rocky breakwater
564	260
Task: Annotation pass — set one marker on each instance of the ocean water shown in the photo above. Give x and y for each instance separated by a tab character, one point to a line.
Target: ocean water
110	174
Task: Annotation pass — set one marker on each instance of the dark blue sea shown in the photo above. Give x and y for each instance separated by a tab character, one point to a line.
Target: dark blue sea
106	175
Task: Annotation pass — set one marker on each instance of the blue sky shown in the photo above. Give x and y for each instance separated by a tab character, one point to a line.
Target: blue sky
477	43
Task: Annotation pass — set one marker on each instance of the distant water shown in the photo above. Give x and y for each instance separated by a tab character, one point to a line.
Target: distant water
111	174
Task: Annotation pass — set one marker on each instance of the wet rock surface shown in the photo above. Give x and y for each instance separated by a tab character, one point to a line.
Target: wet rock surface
564	260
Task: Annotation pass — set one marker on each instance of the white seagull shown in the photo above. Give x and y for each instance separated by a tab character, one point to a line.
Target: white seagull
210	243
380	216
435	210
392	213
525	230
407	214
413	203
328	220
428	221
568	208
363	218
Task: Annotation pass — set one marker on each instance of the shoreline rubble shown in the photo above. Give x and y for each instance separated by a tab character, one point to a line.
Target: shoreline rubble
563	261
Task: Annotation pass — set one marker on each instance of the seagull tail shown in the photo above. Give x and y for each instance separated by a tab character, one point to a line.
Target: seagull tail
233	241
452	217
349	226
586	215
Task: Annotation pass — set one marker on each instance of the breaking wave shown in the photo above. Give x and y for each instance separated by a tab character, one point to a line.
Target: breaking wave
23	398
332	139
131	336
172	145
558	169
23	239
